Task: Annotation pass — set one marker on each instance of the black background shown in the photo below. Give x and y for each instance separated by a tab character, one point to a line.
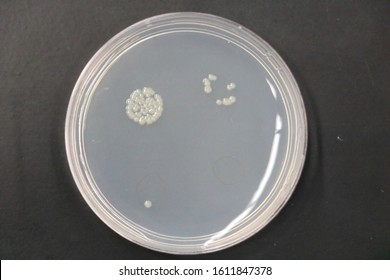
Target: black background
339	52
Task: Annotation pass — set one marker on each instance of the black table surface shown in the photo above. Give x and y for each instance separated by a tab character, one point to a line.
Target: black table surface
339	52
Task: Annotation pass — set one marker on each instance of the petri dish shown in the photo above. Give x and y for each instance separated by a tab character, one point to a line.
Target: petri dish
186	133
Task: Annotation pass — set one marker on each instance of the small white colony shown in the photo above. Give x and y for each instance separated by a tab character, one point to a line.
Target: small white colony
206	82
144	106
148	204
208	89
231	86
212	77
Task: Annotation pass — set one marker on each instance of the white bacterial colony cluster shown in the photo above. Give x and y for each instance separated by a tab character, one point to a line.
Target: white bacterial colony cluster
207	83
227	101
144	106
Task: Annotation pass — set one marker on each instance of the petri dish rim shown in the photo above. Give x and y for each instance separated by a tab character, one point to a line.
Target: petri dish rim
185	22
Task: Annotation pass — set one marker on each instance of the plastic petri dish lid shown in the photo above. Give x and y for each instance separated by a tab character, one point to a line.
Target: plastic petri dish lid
186	133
